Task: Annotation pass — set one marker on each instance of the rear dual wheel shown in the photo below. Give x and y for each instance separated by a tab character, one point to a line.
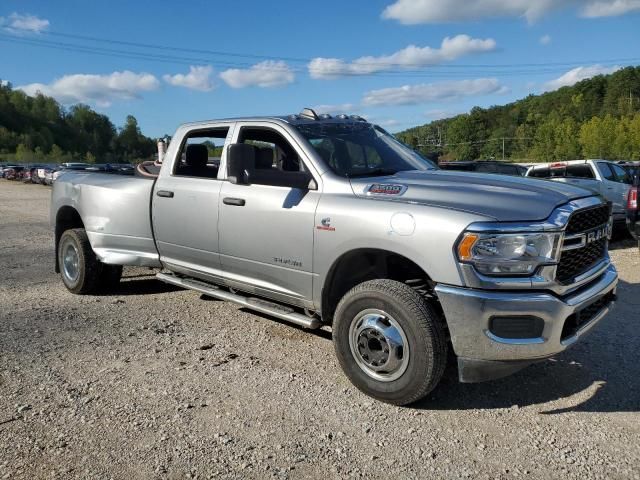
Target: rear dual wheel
389	341
81	271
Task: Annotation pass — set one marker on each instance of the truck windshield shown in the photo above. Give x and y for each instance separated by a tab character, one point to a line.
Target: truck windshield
362	150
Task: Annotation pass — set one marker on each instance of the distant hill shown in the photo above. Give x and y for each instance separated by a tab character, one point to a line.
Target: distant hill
39	129
595	118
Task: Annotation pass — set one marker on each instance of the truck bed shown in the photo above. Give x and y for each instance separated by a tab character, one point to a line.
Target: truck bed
115	211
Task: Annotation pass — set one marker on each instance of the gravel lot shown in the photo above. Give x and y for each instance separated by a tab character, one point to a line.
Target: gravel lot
155	382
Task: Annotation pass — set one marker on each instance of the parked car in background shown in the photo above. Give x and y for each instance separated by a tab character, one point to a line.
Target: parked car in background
40	173
633	168
75	165
117	168
633	213
485	166
65	167
600	176
13	172
27	173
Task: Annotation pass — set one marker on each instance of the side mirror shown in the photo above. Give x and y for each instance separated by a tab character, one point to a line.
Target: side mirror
241	162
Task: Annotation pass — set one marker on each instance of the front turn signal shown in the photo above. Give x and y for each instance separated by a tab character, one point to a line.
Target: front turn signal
465	246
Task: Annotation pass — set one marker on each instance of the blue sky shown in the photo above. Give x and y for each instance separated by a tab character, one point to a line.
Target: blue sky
397	62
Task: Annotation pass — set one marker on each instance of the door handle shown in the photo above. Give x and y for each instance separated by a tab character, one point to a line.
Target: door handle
238	202
164	193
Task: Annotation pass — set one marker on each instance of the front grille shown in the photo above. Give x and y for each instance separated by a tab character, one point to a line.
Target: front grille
574	262
577	261
589	218
573	322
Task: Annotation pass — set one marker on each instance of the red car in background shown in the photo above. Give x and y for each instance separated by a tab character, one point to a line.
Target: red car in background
13	172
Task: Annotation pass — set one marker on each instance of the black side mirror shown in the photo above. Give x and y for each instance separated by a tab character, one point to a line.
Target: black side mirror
241	162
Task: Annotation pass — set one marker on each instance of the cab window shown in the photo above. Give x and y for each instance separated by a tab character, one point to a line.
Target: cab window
200	153
277	161
606	172
621	174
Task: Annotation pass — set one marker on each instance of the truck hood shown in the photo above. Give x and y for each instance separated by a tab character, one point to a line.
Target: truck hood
500	197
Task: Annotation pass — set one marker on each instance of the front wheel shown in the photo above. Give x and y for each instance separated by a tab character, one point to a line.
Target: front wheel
389	341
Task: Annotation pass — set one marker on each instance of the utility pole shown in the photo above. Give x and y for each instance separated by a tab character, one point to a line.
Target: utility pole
503	149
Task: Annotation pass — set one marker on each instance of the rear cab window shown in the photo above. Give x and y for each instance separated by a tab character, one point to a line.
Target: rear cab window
200	153
574	170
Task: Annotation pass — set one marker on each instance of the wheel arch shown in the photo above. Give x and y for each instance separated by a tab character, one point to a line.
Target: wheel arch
362	264
67	217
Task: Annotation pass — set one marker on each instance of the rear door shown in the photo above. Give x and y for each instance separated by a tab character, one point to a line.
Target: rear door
185	204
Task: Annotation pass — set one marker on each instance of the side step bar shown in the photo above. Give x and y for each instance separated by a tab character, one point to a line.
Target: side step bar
274	309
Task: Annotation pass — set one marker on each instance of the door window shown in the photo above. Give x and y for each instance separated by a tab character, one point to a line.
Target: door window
277	162
621	174
200	153
606	172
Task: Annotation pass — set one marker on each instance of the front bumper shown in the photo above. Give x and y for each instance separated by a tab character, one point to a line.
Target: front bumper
483	355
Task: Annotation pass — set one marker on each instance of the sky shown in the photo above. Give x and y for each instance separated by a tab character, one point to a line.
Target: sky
398	63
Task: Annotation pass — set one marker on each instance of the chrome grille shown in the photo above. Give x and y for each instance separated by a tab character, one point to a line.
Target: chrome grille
577	259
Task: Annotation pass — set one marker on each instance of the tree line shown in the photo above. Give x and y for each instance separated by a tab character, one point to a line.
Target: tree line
39	129
595	118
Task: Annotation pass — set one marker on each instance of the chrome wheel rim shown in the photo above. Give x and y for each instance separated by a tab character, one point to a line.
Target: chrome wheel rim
70	261
379	345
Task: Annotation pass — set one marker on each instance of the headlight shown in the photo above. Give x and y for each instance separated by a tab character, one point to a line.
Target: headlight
508	254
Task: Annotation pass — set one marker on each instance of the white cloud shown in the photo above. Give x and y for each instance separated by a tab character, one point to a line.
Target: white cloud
198	78
387	123
409	57
439	114
4	83
435	11
18	23
432	92
347	108
545	40
269	73
99	89
611	8
411	12
577	74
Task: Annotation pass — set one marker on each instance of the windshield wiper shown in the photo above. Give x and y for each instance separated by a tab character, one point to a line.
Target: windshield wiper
374	172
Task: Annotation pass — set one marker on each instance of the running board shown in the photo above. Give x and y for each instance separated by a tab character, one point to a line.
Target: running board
274	309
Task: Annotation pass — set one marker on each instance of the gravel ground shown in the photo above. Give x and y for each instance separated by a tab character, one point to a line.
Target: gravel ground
156	382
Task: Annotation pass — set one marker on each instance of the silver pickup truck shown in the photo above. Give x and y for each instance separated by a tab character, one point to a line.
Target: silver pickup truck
322	220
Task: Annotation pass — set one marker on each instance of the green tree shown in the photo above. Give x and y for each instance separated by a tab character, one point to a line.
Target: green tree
23	153
567	140
597	137
56	154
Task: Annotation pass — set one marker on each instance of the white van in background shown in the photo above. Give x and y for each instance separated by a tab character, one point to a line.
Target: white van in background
601	176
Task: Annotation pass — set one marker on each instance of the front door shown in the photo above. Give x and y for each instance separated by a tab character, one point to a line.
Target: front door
266	228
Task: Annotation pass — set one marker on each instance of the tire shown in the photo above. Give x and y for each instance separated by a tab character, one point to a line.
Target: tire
80	270
402	314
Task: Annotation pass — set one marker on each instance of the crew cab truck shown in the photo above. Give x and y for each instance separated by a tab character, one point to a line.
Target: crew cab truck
322	220
601	176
